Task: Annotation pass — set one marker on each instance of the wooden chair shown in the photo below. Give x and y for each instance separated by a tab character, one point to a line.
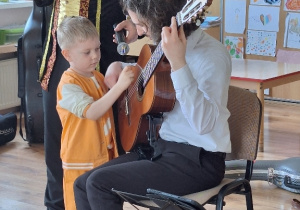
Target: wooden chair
244	125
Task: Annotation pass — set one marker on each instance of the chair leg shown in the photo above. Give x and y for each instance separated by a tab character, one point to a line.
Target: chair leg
226	191
248	195
219	205
220	202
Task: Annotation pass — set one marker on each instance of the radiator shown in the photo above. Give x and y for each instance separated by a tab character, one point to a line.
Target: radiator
9	84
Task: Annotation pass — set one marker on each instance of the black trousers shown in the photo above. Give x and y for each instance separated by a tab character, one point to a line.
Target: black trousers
52	133
180	169
111	13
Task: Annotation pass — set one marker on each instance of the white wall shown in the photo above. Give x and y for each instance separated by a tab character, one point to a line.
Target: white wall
14	13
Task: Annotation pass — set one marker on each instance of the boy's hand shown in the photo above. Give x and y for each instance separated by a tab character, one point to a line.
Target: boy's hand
126	77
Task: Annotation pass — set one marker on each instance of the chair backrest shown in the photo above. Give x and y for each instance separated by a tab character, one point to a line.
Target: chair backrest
244	123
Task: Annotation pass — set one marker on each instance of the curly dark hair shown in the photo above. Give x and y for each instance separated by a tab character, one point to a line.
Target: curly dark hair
156	14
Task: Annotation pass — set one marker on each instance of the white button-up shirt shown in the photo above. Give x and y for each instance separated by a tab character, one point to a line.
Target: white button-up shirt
200	114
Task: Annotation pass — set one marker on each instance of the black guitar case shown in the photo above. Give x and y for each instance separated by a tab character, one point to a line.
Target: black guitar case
282	173
29	89
8	127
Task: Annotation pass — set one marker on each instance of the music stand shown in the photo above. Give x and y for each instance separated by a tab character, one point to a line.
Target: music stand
157	200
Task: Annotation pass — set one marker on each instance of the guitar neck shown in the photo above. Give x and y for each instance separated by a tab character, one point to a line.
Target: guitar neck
154	60
152	63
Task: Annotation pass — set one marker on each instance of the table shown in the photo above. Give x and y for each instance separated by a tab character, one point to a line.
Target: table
8	48
260	75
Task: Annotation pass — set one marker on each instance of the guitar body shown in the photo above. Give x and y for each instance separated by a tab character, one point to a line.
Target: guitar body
140	99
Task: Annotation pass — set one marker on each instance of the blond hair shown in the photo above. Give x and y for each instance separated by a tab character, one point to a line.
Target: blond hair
75	29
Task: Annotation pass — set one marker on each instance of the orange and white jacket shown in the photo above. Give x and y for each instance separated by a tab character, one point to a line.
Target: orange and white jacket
85	143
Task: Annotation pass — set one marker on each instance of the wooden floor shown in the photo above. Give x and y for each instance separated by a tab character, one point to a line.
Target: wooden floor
23	171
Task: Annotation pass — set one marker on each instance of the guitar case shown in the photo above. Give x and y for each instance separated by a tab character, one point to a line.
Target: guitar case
29	53
8	127
282	173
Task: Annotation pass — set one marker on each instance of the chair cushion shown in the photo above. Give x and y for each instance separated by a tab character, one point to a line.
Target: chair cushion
203	196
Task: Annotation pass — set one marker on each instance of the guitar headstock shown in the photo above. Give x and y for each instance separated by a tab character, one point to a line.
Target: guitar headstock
193	12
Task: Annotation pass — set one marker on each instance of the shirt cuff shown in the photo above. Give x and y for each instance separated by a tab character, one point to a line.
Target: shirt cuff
127	64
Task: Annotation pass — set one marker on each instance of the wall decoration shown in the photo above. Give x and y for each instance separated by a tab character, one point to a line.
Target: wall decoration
266	2
235	46
292	5
264	18
292	30
261	43
235	16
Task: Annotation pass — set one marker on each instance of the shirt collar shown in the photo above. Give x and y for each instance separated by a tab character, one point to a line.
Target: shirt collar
194	38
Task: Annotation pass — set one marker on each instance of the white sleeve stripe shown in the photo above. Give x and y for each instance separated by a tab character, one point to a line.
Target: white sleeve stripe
74	99
78	168
107	126
78	164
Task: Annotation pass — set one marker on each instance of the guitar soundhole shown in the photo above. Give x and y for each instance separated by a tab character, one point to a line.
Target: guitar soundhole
140	88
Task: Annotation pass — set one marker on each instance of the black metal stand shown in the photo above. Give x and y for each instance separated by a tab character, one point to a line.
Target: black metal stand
154	126
157	201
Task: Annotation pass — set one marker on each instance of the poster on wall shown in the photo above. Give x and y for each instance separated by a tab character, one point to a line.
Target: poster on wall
266	2
263	18
261	43
235	16
235	46
292	31
292	5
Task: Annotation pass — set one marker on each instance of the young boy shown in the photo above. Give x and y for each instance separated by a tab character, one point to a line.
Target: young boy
84	103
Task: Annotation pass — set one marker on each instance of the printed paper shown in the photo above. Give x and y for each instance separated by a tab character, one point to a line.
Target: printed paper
266	2
263	18
235	16
292	31
261	43
292	5
235	46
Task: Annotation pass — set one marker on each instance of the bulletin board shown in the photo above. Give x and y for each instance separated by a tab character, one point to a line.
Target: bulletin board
256	29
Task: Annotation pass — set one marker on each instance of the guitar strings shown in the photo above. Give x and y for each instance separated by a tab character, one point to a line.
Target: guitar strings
140	78
144	72
133	87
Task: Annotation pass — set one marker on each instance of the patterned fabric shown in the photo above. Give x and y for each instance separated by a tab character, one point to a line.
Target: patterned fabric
62	8
45	80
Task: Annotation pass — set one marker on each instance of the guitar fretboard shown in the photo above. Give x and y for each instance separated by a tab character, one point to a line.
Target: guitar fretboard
152	63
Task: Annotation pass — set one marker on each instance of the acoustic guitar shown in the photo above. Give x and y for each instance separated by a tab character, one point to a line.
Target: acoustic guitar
152	91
